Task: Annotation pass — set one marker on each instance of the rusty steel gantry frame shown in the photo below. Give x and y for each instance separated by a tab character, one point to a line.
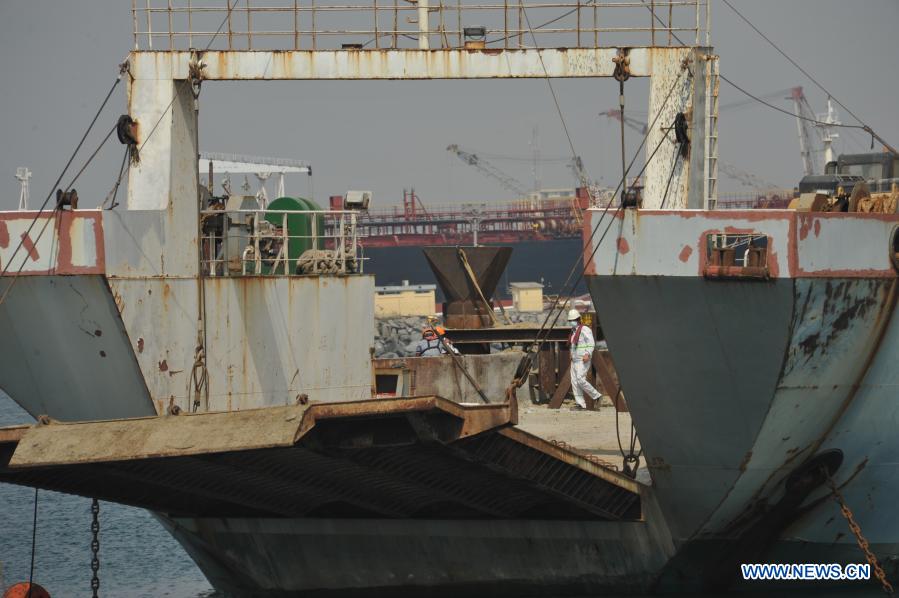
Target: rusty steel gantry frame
346	40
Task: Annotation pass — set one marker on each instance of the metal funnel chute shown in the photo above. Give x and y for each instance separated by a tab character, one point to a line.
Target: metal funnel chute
468	277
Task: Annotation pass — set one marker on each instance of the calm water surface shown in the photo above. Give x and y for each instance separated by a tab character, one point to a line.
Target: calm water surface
138	559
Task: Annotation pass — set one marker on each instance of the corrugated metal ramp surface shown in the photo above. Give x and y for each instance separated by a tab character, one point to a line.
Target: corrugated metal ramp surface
421	457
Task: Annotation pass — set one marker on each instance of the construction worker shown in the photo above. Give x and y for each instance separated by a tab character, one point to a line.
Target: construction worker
582	345
429	345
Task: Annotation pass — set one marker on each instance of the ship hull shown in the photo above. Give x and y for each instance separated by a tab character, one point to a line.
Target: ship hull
247	558
329	557
766	372
747	380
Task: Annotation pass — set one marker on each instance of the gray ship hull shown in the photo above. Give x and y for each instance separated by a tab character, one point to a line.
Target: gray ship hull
761	372
746	382
246	558
329	557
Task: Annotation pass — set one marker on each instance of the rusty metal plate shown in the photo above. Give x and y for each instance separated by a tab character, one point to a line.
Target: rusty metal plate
422	457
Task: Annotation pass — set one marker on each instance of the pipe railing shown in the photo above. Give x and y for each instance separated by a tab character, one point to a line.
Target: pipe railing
419	24
261	242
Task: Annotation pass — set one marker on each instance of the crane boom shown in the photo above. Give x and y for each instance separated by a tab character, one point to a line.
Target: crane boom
488	169
637	125
746	178
809	136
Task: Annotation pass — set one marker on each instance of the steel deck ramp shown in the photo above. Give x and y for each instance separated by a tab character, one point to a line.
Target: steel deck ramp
421	457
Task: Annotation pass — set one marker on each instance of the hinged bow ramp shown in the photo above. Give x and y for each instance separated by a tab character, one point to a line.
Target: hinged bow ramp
420	457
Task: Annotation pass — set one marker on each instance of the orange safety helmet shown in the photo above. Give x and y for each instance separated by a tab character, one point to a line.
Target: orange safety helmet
441	331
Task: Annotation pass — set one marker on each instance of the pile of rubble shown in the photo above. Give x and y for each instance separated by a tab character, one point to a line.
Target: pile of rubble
398	337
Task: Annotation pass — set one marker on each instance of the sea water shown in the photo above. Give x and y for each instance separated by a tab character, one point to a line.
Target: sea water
138	558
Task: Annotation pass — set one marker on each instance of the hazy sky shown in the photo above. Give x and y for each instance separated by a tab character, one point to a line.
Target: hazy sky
58	59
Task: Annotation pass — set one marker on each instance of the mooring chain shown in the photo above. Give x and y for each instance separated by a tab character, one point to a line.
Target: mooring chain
95	547
859	538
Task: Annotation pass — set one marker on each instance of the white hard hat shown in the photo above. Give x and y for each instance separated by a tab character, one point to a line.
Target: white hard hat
573	314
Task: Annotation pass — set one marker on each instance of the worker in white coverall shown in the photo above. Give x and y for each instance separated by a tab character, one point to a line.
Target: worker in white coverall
582	344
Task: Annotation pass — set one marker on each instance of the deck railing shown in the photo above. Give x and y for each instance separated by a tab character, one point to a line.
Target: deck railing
279	242
421	24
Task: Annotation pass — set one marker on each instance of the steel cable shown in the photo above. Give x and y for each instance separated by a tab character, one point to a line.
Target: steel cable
768	104
793	62
524	368
552	91
33	546
122	70
40	233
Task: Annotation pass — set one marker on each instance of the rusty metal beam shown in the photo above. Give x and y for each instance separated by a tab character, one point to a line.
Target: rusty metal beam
397	64
507	334
608	378
562	389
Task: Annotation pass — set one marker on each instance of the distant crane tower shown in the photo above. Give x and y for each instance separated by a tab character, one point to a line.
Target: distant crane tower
23	175
488	169
806	130
814	139
575	165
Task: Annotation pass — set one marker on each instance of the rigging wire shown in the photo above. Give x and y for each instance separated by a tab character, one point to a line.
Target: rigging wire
814	121
122	70
40	233
175	94
33	546
552	91
752	96
541	25
793	62
113	193
525	366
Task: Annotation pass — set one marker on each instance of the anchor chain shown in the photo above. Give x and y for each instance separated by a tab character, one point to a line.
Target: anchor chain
859	538
95	548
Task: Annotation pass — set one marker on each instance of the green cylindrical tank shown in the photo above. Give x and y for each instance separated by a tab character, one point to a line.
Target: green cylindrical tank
299	226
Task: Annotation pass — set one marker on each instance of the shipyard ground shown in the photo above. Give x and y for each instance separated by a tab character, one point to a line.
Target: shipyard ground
590	432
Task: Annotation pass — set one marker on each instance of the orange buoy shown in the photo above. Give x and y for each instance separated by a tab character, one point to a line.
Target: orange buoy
20	590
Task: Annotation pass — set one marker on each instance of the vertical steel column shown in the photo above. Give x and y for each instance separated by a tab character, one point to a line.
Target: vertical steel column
670	21
296	26
149	27
134	22
230	34
520	19
459	21
249	28
506	24
578	23
375	9
423	25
